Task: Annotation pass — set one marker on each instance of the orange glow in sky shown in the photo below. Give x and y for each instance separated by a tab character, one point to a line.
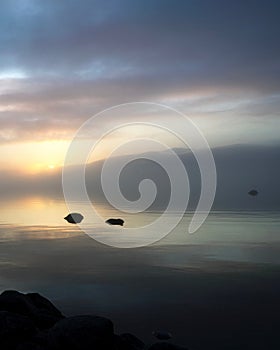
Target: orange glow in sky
34	157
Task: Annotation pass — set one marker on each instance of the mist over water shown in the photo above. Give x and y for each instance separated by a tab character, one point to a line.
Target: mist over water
223	279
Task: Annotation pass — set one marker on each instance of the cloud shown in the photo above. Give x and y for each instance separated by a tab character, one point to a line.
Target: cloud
189	38
74	59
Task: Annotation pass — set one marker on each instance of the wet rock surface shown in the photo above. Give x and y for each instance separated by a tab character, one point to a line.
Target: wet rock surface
32	322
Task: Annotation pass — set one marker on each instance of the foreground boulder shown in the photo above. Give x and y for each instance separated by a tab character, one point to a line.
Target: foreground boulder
127	341
32	322
82	332
166	346
14	328
37	308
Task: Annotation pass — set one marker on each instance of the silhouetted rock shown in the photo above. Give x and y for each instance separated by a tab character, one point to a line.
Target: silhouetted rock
82	332
162	335
131	339
128	341
40	341
74	218
253	193
112	221
166	346
14	328
39	309
30	345
32	322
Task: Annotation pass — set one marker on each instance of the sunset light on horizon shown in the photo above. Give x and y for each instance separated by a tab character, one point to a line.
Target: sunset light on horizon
59	70
139	162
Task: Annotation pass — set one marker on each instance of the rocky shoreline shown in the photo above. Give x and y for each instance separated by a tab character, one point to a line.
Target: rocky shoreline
31	322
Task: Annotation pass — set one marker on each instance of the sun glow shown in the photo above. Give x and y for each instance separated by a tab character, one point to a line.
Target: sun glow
34	157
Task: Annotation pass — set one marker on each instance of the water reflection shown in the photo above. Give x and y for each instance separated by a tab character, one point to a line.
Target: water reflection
167	285
44	217
49	211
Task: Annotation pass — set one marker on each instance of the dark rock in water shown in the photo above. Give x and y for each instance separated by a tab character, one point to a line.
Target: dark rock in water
119	222
162	335
39	309
128	341
166	346
82	332
14	328
74	218
253	193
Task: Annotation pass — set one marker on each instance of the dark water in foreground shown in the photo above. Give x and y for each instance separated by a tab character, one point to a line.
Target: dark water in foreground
217	289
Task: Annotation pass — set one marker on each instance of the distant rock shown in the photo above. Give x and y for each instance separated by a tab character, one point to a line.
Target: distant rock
253	193
112	221
162	335
74	218
166	346
39	309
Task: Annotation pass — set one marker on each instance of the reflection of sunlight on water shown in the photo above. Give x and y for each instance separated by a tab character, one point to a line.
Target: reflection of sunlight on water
33	211
43	218
16	232
48	211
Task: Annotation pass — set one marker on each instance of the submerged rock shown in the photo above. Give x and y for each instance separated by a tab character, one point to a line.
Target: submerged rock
112	221
74	218
162	335
253	193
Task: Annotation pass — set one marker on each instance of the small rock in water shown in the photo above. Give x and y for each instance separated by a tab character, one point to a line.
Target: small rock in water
119	222
74	218
162	335
253	193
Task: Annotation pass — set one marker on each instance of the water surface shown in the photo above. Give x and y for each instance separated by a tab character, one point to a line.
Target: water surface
218	287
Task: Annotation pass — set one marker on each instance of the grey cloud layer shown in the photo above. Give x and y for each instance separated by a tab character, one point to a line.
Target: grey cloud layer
190	37
81	56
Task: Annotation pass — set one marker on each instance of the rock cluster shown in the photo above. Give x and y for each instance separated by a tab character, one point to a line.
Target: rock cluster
32	322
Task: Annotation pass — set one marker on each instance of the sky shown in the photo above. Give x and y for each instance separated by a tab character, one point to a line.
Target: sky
63	61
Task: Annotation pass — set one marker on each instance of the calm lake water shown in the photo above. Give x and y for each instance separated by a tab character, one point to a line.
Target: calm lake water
221	282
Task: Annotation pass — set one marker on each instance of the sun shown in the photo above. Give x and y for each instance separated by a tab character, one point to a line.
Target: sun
51	166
